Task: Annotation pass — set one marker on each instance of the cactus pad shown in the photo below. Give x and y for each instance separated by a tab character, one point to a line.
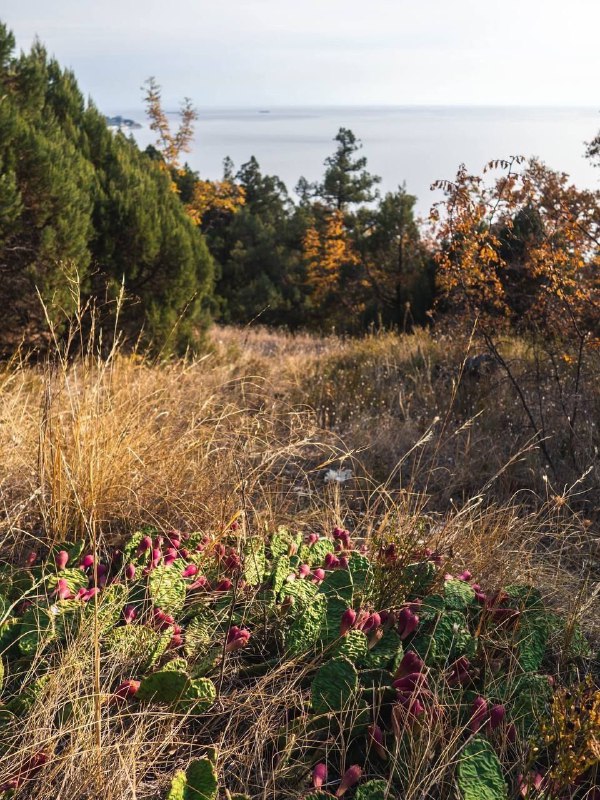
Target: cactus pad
167	588
480	772
372	790
306	628
334	686
458	594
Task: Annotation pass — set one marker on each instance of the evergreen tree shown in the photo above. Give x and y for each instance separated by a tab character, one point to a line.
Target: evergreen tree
259	254
77	200
346	181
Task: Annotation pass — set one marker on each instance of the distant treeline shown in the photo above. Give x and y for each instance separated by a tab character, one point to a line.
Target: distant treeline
85	215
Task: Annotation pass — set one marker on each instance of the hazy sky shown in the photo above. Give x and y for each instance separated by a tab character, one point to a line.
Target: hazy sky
268	52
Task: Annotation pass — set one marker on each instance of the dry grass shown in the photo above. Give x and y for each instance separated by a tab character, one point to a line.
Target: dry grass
96	447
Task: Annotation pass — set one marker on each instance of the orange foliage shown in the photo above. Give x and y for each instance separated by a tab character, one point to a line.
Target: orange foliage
171	145
221	196
523	247
326	252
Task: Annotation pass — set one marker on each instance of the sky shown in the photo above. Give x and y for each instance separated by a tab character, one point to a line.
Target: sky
322	52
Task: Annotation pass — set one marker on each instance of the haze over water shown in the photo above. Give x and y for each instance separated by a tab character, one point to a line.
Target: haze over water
416	145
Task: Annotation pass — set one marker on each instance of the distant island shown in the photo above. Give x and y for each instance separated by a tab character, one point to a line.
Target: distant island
122	122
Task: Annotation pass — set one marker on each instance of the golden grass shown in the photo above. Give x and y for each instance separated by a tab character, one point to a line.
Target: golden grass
96	447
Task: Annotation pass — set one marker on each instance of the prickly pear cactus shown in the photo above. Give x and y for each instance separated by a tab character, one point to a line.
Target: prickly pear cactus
338	583
417	578
254	562
136	645
200	633
532	639
307	626
334	686
282	568
36	630
167	588
458	594
198	782
361	570
372	790
353	646
199	696
480	772
202	780
387	651
75	579
167	686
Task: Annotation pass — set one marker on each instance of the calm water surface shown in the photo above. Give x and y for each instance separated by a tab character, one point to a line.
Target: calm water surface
412	145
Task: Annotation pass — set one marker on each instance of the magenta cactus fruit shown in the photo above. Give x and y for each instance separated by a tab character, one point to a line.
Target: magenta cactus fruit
31	558
408	623
129	614
236	638
479	714
459	674
200	583
373	621
319	775
410	682
126	690
62	559
376	738
318	574
343	562
144	545
156	556
497	715
189	571
350	777
62	591
130	572
411	662
311	539
465	575
223	585
87	561
303	570
348	620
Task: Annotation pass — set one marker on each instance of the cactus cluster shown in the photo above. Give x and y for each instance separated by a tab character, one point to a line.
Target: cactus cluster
174	613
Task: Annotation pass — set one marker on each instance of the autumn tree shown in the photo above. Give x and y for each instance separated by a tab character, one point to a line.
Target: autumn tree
200	196
520	254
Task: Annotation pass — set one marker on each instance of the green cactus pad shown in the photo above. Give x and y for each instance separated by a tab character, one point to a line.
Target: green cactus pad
532	638
280	572
314	555
165	686
458	594
417	578
167	588
372	790
352	646
282	540
202	781
479	772
178	786
334	686
301	589
198	697
76	579
333	619
338	583
529	702
387	650
110	605
254	562
200	633
526	596
137	644
306	628
36	630
360	569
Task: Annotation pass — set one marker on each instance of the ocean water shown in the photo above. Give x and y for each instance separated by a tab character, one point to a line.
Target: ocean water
404	145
